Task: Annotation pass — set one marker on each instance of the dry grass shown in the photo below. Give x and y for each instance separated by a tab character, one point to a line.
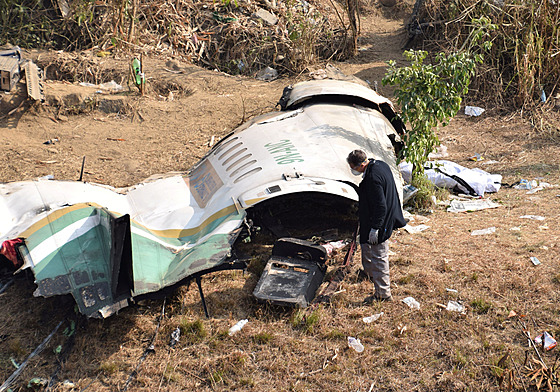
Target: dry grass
223	35
280	349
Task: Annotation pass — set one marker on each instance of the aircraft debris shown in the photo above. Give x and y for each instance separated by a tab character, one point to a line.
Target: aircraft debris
111	247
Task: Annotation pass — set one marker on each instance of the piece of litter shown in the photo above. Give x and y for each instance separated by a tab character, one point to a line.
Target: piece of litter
175	336
441	152
471	205
535	261
373	318
534	217
451	290
548	343
411	302
512	314
476	157
523	184
535	190
408	192
490	162
331	247
515	228
474	111
489	230
355	344
237	327
454	306
415	229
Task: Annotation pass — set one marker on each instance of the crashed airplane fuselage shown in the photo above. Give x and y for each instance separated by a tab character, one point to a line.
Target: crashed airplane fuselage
107	246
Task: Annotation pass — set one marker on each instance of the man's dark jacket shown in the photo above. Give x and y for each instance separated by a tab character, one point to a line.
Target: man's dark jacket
379	203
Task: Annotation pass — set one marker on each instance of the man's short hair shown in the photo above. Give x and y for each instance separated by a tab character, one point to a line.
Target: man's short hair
356	158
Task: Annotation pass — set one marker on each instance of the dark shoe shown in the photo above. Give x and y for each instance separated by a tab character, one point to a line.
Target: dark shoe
363	276
374	298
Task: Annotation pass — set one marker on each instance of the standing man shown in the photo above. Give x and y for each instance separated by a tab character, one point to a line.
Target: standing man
380	212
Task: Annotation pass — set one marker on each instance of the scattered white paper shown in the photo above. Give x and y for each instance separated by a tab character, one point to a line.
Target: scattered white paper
474	111
489	230
440	152
471	205
535	190
534	217
372	318
415	229
454	306
411	302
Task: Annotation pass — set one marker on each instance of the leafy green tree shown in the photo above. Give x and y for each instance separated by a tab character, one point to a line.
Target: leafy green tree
429	95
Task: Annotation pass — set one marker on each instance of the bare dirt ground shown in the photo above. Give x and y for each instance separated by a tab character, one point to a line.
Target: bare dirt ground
126	138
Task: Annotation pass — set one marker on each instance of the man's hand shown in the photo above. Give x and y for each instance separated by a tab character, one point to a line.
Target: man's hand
373	237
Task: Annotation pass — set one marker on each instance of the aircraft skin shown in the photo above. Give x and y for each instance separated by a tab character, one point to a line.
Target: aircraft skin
107	246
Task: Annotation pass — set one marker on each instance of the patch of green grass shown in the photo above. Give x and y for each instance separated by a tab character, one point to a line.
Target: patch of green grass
216	377
335	334
263	338
405	279
222	335
109	367
474	277
461	359
374	333
193	331
246	382
401	260
306	322
170	374
480	305
423	198
441	193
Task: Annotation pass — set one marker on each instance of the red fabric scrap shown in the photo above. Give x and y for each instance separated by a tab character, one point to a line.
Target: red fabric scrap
8	249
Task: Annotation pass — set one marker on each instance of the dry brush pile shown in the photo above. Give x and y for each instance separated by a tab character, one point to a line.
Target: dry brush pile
524	61
230	36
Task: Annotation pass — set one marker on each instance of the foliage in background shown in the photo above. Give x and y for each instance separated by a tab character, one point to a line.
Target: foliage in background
26	23
223	35
429	95
524	61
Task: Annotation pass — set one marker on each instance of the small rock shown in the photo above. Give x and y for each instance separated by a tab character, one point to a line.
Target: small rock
265	16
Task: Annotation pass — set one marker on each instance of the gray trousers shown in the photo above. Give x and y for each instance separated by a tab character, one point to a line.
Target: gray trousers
375	260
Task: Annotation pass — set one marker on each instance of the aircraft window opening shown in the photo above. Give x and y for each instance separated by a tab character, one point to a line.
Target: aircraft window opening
234	156
220	147
245	175
230	150
245	166
238	161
